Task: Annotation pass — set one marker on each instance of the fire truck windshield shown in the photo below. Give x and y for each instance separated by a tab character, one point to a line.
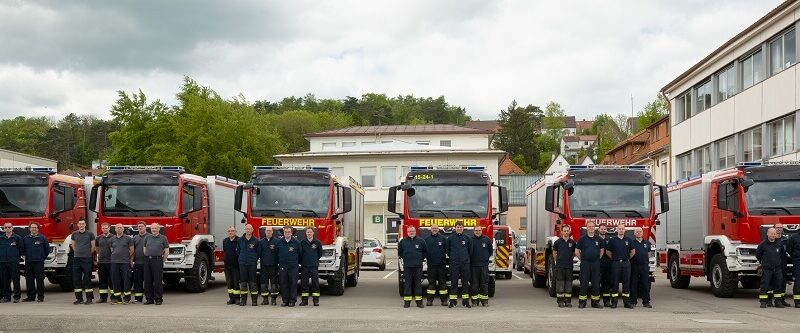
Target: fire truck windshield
140	200
611	200
774	197
23	200
294	200
448	201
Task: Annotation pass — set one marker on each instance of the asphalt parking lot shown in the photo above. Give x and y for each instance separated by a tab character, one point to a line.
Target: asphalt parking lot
375	306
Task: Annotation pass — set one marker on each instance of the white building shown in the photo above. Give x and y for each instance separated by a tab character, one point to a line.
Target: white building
572	144
12	159
379	156
740	102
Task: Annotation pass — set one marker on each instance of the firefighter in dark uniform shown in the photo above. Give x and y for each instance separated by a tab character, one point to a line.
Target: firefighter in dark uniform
620	249
248	248
229	247
36	249
156	250
459	250
82	247
311	251
289	253
640	270
138	262
479	262
605	268
103	243
770	254
591	247
122	256
437	271
793	250
269	267
11	249
563	253
412	250
784	266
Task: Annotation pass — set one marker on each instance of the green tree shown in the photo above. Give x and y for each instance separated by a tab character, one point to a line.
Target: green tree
609	134
517	134
293	125
653	111
520	161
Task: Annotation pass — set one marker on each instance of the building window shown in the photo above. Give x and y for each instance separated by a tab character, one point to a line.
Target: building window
388	176
367	143
684	165
751	141
328	145
404	171
387	141
423	142
752	68
703	158
338	171
368	176
782	52
781	134
726	153
703	97
348	144
726	83
445	143
684	107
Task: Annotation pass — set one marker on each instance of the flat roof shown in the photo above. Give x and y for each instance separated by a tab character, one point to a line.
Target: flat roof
399	130
27	155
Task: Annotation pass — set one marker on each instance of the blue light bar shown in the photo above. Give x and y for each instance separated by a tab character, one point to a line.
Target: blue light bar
31	169
280	167
607	167
420	168
476	168
146	167
754	164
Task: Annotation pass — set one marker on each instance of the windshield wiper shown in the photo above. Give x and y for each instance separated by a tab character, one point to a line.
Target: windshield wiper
594	210
134	211
300	210
779	208
433	210
464	210
628	211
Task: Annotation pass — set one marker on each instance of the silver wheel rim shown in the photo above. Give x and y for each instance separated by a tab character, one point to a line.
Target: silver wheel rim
674	271
203	271
716	276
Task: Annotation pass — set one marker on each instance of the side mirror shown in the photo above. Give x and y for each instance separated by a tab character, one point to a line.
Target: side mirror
237	196
746	183
569	186
503	199
347	200
391	202
549	194
93	198
664	196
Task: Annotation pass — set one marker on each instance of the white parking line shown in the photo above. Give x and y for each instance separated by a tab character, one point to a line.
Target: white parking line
390	262
516	276
390	274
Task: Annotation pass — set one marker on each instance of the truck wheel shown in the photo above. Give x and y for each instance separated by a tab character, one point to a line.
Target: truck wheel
172	279
676	280
65	279
491	286
508	275
550	276
197	276
337	282
400	282
723	281
352	280
751	282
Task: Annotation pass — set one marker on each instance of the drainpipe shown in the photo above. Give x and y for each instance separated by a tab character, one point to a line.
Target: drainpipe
669	114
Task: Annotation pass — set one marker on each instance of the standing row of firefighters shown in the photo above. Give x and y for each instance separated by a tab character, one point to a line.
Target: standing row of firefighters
774	254
469	264
280	258
605	262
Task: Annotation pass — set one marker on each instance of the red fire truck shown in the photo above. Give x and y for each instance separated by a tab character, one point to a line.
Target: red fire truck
445	195
54	201
310	197
194	213
504	246
605	194
719	218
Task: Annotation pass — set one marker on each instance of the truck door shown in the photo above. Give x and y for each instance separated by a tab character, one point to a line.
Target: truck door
192	215
725	205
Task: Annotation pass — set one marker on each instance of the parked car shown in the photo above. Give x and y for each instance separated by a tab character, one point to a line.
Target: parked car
373	254
520	245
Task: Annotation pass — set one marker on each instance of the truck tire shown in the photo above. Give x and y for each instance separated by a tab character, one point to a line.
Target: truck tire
65	280
382	267
197	277
676	280
751	282
491	286
723	281
550	278
352	280
337	282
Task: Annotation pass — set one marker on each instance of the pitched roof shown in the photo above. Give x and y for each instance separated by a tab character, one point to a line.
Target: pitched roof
487	125
508	167
399	130
581	125
569	122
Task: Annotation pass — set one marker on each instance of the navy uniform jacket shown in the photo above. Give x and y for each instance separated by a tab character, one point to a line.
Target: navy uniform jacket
36	248
793	248
231	249
620	248
642	256
770	254
269	251
481	251
289	252
565	251
11	248
605	260
310	252
590	247
248	250
459	248
412	251
436	249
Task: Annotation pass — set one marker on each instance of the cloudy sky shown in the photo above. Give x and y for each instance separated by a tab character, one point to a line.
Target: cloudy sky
58	57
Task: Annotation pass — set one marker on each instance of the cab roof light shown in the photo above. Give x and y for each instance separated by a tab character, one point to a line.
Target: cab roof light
476	168
280	167
767	163
146	167
31	169
607	167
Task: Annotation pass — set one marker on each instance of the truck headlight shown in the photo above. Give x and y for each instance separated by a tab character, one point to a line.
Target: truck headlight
328	252
176	250
746	251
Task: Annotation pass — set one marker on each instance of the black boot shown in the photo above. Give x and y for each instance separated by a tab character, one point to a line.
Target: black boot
419	304
254	298
783	302
231	299
797	303
274	300
627	303
466	304
452	303
769	303
763	304
304	301
266	300
581	304
560	302
430	301
647	305
443	298
406	304
568	302
475	302
242	300
606	302
596	304
484	302
614	304
316	300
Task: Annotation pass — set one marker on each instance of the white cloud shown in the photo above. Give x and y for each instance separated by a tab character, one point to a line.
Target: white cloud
590	56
